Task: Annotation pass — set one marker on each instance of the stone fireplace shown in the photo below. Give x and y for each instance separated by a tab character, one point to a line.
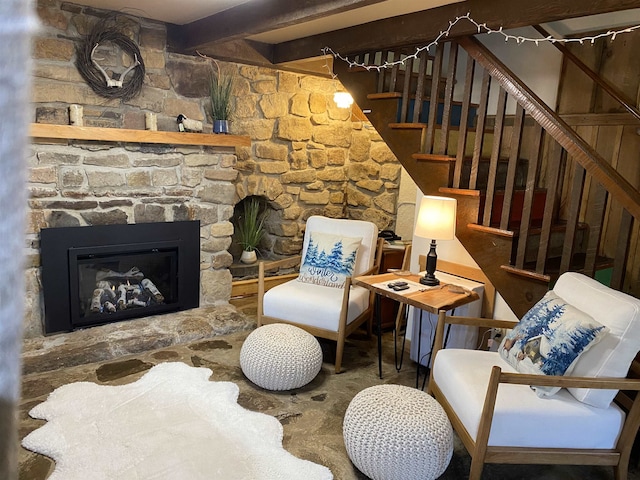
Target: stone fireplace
305	155
90	184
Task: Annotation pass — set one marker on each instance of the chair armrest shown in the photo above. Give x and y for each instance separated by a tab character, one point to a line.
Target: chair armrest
285	262
372	271
608	383
480	322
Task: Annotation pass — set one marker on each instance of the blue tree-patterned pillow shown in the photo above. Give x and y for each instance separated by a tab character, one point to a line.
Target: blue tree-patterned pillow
549	339
329	259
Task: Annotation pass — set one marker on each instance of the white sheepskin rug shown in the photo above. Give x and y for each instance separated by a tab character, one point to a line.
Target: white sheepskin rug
173	423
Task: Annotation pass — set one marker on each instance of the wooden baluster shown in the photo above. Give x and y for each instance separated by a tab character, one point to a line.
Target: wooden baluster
423	59
464	121
553	169
622	250
433	100
532	178
408	73
498	129
595	220
394	72
384	55
512	167
575	197
448	99
371	57
482	118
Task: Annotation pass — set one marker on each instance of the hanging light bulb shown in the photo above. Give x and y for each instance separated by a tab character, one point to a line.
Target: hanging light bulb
343	99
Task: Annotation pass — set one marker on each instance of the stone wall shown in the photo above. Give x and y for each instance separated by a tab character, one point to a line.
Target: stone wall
306	157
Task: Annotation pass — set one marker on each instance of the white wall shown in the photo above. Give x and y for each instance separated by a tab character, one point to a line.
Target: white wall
538	66
406	206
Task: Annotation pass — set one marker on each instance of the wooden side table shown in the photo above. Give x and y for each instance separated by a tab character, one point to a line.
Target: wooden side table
431	299
391	258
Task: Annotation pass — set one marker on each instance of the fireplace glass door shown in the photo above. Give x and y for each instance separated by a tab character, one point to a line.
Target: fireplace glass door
122	281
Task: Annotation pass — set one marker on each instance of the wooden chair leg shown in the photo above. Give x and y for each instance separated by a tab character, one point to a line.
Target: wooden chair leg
620	471
339	352
260	293
475	473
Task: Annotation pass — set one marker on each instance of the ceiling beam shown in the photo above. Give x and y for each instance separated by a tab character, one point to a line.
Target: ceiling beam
422	27
255	17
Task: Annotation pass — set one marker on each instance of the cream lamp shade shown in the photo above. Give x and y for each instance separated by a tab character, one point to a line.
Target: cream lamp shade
436	218
437	221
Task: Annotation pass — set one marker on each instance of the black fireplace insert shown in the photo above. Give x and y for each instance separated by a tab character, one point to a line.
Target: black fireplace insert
107	273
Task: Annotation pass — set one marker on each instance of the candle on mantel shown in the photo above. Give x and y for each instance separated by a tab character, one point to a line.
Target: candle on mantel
150	121
75	115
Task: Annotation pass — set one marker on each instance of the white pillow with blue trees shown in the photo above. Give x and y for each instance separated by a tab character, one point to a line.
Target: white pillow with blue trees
329	259
549	340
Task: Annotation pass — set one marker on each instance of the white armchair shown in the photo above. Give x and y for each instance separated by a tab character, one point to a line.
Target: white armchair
501	419
328	309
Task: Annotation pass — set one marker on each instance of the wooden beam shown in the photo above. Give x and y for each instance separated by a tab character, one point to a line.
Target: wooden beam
255	17
422	27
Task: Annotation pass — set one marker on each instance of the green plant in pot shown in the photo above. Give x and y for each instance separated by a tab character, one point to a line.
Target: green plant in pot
250	229
220	87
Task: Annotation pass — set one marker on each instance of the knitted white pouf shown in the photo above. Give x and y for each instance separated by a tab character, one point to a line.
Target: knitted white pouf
280	357
393	432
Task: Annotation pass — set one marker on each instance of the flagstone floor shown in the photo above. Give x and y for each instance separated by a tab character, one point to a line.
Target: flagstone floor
311	416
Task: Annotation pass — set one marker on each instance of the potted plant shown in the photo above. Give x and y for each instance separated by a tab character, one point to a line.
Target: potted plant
220	87
250	231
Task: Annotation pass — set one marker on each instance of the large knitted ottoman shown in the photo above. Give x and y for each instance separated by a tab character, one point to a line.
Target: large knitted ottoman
280	357
393	432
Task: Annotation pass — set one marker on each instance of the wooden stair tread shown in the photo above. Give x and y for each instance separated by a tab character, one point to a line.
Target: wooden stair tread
459	191
432	157
560	226
514	228
383	95
552	269
526	273
493	230
408	125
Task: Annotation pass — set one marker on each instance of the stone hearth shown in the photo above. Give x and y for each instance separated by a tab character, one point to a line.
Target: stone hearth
106	342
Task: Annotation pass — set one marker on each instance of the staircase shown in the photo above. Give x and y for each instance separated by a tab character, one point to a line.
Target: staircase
534	198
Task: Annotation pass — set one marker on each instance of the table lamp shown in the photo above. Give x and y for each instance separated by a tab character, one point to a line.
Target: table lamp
437	221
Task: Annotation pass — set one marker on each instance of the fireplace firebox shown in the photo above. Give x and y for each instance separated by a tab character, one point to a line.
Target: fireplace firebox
107	273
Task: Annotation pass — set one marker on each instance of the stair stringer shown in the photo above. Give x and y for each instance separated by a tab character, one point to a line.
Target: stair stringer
491	251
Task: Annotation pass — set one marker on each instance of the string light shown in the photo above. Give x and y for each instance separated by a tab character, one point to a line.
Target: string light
482	28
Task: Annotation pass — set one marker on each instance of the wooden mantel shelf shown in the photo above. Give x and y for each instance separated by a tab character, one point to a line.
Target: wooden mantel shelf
41	131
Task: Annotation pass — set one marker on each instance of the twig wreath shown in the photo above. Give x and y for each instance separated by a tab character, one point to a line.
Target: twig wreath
96	77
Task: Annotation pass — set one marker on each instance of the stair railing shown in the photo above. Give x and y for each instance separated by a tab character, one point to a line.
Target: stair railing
540	182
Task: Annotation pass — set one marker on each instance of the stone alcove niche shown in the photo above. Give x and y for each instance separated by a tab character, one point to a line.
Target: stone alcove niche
265	249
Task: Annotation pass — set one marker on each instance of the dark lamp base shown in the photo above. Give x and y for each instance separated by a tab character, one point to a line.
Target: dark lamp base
432	259
431	281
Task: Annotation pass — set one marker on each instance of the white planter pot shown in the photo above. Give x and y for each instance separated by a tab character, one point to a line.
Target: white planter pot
248	256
